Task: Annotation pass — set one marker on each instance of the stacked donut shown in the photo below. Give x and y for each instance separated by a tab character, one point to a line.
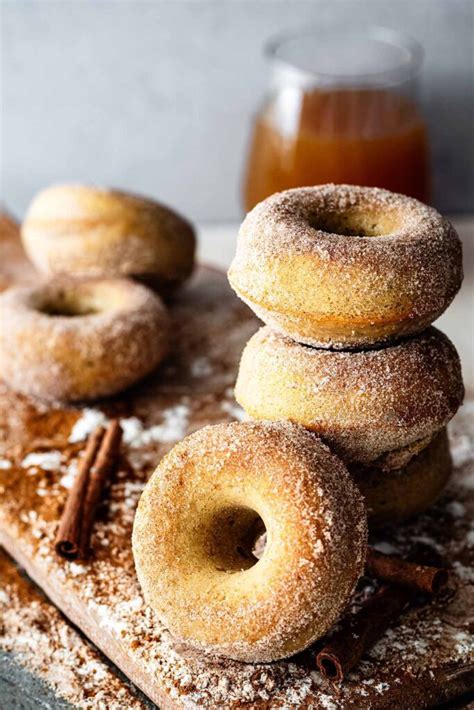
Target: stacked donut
348	280
93	327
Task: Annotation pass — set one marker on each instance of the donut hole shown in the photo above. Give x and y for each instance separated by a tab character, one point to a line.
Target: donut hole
67	310
68	306
356	223
231	538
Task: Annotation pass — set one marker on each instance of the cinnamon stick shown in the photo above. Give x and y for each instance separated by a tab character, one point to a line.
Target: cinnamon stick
73	536
99	474
69	532
388	568
359	632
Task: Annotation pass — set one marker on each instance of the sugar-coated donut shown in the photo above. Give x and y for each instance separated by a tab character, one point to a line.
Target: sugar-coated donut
200	514
368	406
88	231
76	340
343	266
394	496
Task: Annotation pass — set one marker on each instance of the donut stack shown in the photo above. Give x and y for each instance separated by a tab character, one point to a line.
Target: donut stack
348	281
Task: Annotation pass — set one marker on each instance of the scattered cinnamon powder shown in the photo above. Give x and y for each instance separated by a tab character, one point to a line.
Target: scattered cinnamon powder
110	593
107	589
39	639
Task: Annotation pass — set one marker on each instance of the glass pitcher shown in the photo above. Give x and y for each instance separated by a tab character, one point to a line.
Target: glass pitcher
343	108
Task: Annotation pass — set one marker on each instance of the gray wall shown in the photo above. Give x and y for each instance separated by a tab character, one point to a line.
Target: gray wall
158	96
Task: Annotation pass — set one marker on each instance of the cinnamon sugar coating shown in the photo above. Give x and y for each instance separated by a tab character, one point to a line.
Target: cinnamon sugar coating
200	514
75	340
395	496
399	458
90	231
343	266
363	404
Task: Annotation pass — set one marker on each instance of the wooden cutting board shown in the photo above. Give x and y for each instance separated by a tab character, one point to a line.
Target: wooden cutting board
427	657
45	662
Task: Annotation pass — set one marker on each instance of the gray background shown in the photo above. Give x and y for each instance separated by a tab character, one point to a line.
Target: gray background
158	96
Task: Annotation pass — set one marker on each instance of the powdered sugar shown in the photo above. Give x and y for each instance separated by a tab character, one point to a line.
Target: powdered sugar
235	410
135	434
456	509
48	460
172	429
89	420
67	480
201	367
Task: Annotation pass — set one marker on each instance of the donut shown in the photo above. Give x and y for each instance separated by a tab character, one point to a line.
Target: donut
93	232
197	521
77	340
395	496
345	267
379	406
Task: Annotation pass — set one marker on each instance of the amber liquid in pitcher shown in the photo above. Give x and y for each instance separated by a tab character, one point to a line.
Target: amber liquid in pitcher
364	137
